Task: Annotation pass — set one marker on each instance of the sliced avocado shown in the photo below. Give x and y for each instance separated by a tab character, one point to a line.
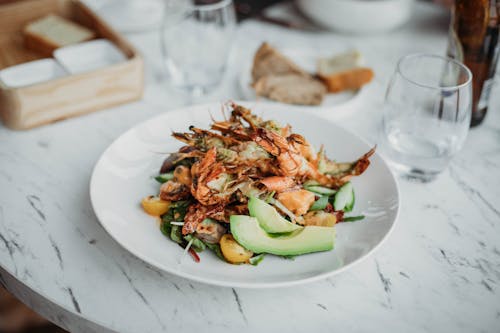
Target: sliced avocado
248	233
269	219
344	198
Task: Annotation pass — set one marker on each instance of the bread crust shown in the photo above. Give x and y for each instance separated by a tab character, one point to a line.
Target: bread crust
352	79
269	61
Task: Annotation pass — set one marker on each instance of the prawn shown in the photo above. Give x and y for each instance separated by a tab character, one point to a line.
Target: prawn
344	169
204	139
278	184
202	172
196	214
290	161
337	174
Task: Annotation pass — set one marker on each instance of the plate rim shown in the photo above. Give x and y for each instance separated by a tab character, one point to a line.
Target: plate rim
233	284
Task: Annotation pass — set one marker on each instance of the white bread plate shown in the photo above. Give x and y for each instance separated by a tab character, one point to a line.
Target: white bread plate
336	104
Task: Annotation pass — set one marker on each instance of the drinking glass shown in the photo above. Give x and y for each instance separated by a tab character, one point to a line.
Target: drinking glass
426	114
196	40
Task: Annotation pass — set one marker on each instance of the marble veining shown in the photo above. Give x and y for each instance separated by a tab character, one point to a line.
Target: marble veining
438	272
238	303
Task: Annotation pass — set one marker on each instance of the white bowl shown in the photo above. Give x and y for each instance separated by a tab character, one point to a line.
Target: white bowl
88	56
31	72
358	16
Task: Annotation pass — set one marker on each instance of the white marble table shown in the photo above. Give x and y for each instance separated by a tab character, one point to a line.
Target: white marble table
438	272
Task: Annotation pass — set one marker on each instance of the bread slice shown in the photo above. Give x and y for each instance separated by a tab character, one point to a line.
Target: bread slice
344	72
291	88
269	61
51	32
278	78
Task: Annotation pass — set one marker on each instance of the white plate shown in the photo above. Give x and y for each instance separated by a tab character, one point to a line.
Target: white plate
338	103
123	176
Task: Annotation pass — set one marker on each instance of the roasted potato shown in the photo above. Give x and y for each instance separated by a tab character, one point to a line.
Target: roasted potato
155	206
320	218
232	251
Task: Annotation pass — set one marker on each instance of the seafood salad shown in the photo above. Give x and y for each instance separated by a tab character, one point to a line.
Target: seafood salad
248	187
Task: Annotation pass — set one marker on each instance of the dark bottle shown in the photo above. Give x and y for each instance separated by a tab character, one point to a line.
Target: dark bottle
474	41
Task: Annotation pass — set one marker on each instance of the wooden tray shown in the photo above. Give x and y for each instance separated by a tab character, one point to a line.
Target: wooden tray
43	103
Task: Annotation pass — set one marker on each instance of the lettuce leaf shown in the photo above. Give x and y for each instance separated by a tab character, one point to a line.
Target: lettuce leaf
198	245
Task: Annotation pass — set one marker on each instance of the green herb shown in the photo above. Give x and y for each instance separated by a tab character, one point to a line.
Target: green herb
164	177
165	228
353	218
176	234
320	204
176	212
216	249
198	245
168	217
179	209
257	259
